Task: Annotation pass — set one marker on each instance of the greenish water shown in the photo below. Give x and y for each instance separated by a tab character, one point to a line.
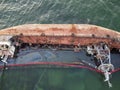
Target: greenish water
99	12
55	79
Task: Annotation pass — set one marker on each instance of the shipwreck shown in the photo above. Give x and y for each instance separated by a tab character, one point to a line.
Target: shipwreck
69	45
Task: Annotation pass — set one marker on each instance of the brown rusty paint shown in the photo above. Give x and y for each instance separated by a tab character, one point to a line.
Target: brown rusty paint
69	34
68	40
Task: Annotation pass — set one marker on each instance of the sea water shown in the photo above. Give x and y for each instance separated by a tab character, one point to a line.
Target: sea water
99	12
43	78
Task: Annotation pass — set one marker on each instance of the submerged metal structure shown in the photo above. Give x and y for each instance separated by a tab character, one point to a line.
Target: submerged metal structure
90	41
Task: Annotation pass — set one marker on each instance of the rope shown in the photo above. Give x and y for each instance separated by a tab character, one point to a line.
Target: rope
116	70
53	63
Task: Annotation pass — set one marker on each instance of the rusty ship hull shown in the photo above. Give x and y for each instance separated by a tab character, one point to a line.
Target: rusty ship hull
62	35
66	34
70	45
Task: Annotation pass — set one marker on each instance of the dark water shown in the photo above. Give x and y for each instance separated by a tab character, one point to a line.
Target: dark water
99	12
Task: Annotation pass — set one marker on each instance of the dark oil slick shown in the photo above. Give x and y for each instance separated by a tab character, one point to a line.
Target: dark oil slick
99	12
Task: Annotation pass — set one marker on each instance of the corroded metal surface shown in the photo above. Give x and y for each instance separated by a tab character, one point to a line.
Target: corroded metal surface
70	34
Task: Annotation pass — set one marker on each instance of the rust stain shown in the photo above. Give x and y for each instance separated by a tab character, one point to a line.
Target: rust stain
73	29
69	34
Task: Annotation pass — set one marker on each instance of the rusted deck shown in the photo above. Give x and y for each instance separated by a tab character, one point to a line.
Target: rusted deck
68	34
69	40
